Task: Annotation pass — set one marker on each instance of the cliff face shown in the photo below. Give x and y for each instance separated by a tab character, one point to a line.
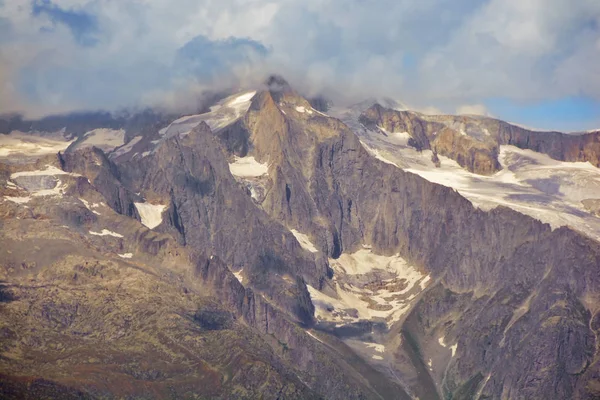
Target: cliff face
560	146
506	284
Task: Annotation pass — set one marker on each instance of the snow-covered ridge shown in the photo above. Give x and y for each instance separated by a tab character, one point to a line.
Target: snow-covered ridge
223	114
531	183
102	138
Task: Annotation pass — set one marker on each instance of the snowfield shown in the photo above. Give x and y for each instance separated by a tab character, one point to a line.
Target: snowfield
126	148
369	286
17	144
106	232
48	171
531	183
39	183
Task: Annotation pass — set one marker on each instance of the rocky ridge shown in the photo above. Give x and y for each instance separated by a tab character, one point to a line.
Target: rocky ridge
473	141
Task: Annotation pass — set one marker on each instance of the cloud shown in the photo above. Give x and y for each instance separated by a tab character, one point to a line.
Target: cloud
83	26
71	54
473	109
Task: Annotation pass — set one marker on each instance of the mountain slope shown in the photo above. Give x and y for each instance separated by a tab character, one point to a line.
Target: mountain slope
280	255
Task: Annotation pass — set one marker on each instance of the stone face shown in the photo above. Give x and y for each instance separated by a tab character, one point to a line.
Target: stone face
214	301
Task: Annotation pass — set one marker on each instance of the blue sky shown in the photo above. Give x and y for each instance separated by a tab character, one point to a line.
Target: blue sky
533	62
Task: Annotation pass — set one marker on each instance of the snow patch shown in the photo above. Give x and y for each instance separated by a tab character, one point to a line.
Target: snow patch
302	109
106	232
49	171
376	357
238	276
313	336
368	286
150	214
304	241
377	347
18	200
453	348
90	206
126	255
248	167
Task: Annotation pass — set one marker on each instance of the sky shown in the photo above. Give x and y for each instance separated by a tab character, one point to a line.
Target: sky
532	62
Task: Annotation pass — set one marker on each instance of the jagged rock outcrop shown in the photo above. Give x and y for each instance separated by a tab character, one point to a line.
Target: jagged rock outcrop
473	141
477	154
560	146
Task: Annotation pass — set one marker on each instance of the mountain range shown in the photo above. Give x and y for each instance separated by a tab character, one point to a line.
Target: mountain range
278	247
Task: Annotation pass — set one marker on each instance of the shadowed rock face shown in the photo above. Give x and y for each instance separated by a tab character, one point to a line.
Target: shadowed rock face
473	141
213	302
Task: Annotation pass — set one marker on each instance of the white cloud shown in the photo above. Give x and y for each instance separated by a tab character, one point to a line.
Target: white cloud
433	52
472	109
